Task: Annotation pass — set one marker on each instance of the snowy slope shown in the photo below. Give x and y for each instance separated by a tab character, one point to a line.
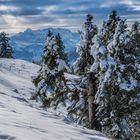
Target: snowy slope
28	45
22	119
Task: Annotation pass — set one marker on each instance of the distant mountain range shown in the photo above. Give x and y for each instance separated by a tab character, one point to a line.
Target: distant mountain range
28	45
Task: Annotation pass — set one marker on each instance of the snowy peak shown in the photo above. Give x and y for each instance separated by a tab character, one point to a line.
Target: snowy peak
28	45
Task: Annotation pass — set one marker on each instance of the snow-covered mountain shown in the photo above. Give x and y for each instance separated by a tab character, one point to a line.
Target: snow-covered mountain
28	45
22	119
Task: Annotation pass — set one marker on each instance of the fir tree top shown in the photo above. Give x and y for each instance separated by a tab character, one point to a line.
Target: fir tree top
109	27
89	18
49	33
89	30
135	27
5	48
61	47
3	37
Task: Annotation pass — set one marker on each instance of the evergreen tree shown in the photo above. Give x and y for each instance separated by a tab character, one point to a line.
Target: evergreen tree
99	55
50	83
109	27
107	88
132	72
85	59
99	47
79	95
116	73
5	48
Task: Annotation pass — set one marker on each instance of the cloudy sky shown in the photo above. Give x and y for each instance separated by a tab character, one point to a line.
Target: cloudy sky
17	15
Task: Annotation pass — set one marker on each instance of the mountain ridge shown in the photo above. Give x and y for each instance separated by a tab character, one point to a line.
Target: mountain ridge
28	45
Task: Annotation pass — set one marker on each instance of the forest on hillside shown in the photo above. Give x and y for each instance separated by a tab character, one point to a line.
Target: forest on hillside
101	89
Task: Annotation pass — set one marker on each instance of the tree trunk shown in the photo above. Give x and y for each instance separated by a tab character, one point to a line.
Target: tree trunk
90	99
92	89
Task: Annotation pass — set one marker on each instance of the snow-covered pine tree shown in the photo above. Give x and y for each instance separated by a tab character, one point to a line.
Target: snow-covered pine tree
85	60
132	73
99	53
117	83
106	33
79	96
101	40
5	48
50	83
109	27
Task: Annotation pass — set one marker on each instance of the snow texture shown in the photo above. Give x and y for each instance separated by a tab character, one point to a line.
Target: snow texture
22	119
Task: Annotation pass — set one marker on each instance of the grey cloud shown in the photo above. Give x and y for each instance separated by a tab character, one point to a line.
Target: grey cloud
27	11
38	19
72	12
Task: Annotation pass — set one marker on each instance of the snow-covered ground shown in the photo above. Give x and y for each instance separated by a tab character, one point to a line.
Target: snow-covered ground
22	119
